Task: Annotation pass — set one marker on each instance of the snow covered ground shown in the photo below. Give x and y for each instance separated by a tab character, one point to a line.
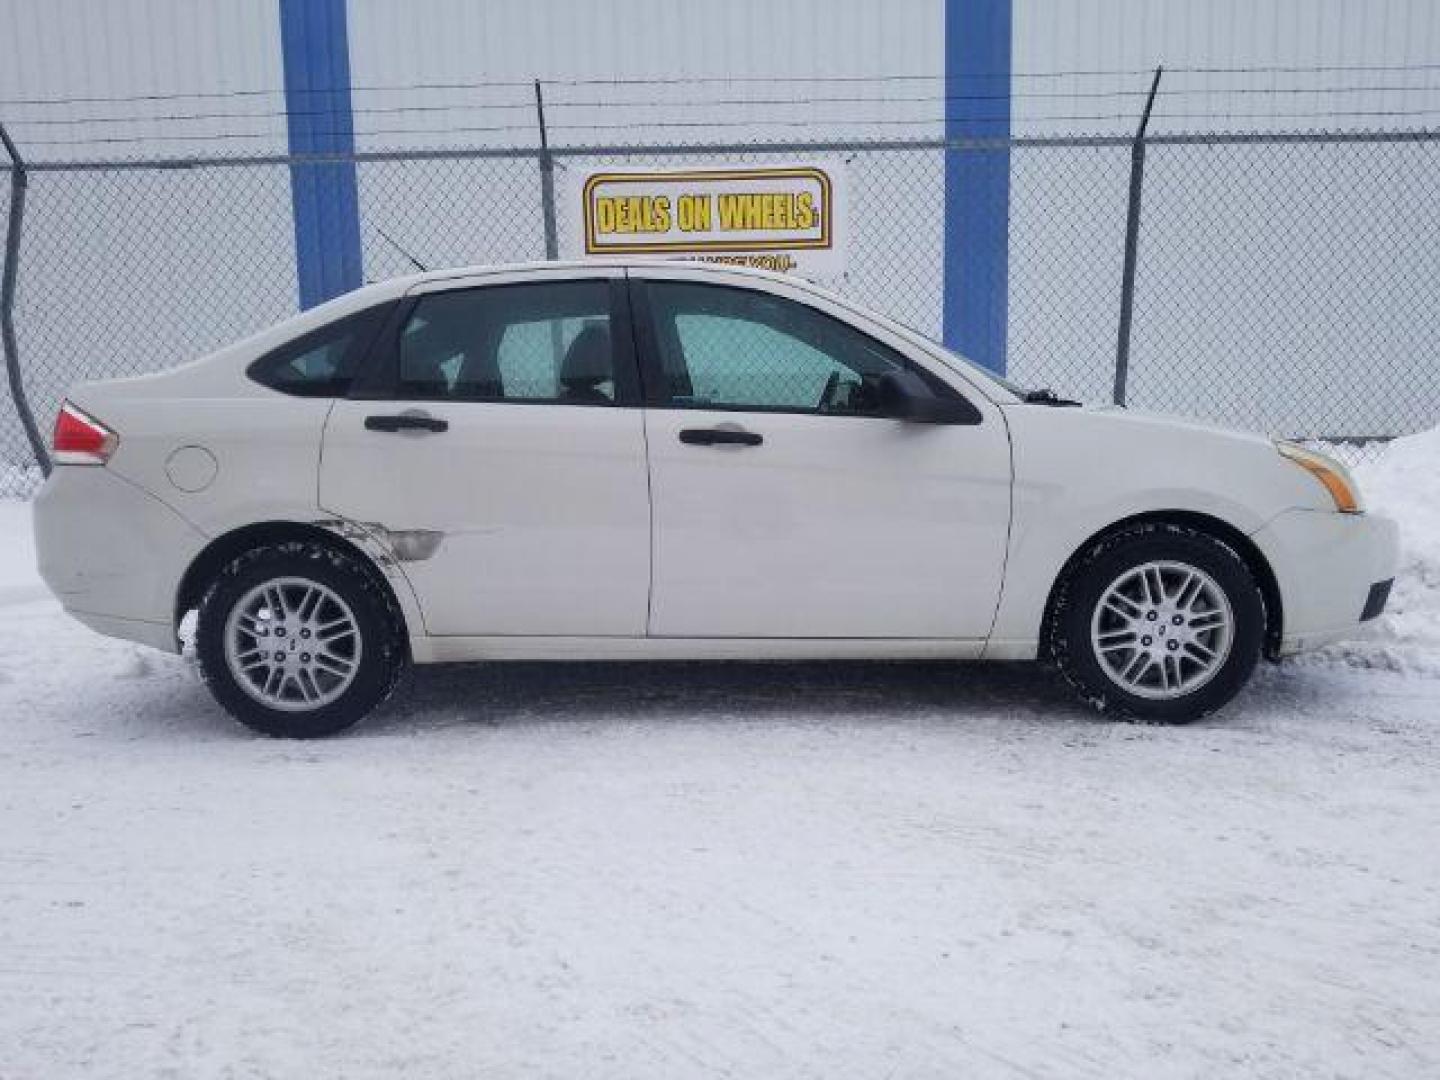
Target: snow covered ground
648	871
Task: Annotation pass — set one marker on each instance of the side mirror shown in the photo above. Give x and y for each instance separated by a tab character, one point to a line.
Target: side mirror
903	395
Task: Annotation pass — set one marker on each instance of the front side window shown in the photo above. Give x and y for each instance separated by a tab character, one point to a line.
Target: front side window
541	342
722	347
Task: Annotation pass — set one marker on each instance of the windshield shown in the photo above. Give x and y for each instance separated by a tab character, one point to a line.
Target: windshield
1002	386
1029	395
953	358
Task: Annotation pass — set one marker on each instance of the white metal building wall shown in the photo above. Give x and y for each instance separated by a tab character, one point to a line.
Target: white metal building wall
591	54
87	79
1301	259
168	76
1251	51
133	57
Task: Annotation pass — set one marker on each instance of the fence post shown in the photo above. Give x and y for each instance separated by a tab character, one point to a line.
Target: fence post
1132	241
547	179
19	180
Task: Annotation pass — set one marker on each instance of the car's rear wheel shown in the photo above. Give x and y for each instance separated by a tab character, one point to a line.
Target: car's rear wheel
298	640
1159	622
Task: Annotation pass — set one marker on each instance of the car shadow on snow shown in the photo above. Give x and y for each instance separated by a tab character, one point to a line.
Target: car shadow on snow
800	693
517	694
547	692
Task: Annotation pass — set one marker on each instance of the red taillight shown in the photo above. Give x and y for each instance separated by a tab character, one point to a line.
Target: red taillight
81	439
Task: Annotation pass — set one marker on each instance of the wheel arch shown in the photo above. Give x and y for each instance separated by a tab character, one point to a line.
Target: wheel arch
336	535
1213	526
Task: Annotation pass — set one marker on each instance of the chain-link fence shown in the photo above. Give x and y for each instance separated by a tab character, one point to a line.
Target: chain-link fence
1284	284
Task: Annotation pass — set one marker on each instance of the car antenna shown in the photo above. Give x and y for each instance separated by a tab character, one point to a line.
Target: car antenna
391	241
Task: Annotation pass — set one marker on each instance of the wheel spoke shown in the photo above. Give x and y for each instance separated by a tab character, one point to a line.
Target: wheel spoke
309	600
1207	620
1145	592
339	665
1115	599
1201	653
335	628
1189	592
1160	590
1114	640
1135	667
306	681
275	597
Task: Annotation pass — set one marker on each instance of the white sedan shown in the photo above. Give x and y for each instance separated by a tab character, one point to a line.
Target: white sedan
674	461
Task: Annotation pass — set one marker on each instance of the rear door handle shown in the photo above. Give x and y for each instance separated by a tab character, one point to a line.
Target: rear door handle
409	421
720	437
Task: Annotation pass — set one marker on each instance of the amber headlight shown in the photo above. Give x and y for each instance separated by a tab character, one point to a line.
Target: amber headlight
1328	471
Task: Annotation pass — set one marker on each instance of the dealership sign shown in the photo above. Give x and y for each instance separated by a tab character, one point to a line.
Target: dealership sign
778	217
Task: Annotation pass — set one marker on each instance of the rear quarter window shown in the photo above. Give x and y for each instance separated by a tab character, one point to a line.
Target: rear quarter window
323	362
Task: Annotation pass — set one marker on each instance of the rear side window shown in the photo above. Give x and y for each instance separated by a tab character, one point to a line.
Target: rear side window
547	342
323	362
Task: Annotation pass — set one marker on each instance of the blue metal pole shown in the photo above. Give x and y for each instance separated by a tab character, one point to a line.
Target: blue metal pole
977	182
320	120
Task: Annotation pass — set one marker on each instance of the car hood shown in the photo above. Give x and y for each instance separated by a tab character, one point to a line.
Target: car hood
1146	461
1123	422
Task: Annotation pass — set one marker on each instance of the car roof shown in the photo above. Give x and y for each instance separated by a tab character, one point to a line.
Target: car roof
699	267
393	288
396	287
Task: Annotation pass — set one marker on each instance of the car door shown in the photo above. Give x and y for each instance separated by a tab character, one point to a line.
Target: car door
784	505
495	436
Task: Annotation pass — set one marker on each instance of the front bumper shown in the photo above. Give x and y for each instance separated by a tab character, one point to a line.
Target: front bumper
113	553
1332	571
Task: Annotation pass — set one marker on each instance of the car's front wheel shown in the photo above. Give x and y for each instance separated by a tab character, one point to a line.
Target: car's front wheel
298	640
1159	622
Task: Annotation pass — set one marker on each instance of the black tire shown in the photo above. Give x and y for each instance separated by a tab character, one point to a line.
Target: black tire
383	655
1068	631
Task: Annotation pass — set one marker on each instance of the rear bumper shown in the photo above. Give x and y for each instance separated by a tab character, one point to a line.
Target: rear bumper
112	553
158	635
1333	572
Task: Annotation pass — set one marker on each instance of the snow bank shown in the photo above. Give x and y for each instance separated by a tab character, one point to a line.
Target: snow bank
1405	484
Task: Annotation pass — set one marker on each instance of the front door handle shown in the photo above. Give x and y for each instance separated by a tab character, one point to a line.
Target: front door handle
408	421
720	437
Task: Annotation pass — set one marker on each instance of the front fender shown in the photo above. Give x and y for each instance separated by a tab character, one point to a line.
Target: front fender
1049	528
1079	472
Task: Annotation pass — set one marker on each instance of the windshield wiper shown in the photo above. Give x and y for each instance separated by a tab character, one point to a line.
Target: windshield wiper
1046	396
